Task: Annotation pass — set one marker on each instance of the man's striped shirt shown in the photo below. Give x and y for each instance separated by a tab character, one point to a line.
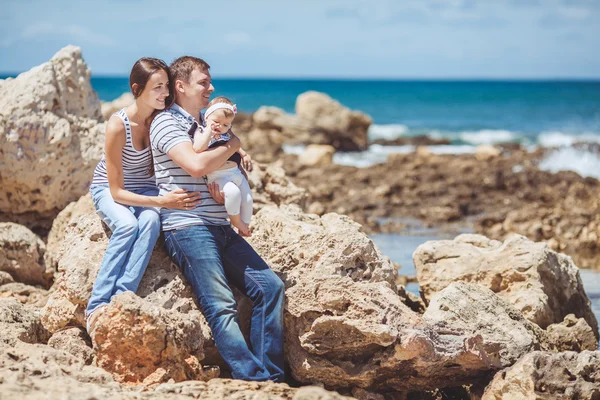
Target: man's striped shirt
171	127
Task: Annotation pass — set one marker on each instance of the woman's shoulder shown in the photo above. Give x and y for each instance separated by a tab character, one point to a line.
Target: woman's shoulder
115	125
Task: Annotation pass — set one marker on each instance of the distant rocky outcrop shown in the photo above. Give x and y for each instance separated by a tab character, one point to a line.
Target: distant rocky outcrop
50	138
110	107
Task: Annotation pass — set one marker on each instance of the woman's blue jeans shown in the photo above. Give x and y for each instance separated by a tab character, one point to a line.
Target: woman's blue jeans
211	257
134	234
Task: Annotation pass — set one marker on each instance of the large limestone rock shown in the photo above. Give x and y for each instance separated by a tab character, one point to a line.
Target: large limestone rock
468	307
22	255
50	137
110	107
20	323
317	155
541	375
138	341
544	285
346	326
347	129
74	341
318	120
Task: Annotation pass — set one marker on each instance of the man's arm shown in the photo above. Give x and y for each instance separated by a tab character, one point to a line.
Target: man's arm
200	164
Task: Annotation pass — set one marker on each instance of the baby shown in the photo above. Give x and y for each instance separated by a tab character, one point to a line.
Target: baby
238	196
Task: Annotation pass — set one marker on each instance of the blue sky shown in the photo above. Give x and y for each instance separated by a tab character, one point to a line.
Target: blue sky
315	38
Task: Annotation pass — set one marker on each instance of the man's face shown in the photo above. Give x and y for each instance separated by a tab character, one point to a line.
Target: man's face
199	88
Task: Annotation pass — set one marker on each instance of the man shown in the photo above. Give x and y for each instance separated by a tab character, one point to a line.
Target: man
203	244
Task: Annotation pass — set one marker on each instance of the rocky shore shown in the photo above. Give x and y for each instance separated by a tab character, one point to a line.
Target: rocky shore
496	318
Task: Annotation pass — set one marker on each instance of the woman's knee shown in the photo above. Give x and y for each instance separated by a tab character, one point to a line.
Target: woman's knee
126	226
149	220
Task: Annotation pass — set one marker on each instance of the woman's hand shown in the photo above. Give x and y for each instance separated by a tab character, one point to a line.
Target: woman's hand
213	189
181	199
247	162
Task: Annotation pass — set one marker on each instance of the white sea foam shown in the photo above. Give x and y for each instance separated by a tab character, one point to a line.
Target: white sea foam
560	139
488	136
296	149
387	132
570	159
377	154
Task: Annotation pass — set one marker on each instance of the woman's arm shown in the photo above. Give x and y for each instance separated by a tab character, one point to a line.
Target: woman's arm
113	145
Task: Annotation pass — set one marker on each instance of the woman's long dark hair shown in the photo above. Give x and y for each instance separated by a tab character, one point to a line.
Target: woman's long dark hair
140	74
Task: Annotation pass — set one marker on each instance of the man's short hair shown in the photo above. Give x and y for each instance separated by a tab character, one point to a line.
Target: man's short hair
182	67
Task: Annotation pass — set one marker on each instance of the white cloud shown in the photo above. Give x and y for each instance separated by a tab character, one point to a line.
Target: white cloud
75	33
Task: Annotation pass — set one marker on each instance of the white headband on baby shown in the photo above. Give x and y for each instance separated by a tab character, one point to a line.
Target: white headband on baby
219	106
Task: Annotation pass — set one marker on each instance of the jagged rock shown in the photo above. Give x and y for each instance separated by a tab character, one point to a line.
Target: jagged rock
317	155
467	307
541	375
347	130
134	338
22	255
297	244
26	294
223	389
5	278
19	322
345	326
544	285
59	225
272	187
50	137
573	334
75	342
110	107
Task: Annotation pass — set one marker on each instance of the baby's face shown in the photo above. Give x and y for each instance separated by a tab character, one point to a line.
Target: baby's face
218	122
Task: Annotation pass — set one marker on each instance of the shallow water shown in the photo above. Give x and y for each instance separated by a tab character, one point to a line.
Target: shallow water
399	248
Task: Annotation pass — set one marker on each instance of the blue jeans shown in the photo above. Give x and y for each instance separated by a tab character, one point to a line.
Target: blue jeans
211	257
134	234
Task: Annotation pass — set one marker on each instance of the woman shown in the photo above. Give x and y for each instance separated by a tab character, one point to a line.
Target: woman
124	187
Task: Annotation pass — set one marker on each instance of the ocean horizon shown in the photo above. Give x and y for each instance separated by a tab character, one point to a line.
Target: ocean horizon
464	112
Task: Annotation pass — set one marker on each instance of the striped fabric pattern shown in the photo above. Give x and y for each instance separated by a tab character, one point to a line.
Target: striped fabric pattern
137	171
170	128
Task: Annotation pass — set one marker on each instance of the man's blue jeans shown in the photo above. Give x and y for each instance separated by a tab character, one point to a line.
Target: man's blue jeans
211	257
134	233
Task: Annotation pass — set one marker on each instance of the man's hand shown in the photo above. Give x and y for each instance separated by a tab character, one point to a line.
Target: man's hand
213	189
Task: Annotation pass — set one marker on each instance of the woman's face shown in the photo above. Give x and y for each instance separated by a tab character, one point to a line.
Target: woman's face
156	91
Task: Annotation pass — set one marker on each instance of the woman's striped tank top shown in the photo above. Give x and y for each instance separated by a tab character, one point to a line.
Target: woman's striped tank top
137	165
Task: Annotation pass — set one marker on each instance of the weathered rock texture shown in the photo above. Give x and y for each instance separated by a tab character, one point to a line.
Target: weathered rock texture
138	341
22	255
541	375
544	285
346	326
468	307
50	138
74	341
318	120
